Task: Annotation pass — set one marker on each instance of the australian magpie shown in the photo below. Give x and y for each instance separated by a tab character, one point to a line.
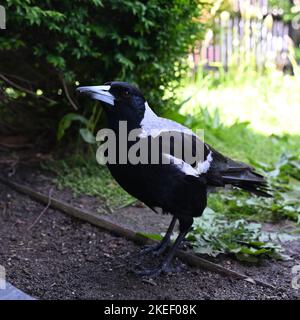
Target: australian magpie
179	186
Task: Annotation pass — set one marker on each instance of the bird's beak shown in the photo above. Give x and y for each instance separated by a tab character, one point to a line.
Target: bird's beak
98	93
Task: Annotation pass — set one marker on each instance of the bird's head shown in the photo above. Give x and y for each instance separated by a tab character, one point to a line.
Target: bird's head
121	100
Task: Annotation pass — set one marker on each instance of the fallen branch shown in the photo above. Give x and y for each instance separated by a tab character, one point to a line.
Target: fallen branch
43	211
10	75
72	102
136	237
15	85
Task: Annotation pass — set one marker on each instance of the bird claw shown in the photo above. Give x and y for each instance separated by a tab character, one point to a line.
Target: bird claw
155	250
156	271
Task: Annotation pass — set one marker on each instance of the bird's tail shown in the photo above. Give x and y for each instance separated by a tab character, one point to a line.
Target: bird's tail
226	171
247	179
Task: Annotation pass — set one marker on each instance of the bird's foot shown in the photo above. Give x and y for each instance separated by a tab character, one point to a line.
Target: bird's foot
184	245
156	271
156	249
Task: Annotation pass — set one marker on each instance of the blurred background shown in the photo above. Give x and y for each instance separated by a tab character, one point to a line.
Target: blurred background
228	67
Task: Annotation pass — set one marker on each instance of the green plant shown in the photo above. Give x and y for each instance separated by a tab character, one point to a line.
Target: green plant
66	122
59	45
250	117
213	234
287	8
83	175
284	181
87	132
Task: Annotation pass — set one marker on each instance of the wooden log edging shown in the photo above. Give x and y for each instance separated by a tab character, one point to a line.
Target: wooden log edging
118	230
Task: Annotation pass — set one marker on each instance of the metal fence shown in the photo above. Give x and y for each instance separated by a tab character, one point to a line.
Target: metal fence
259	36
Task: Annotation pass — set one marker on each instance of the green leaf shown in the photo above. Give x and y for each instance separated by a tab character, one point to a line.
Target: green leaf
66	122
152	236
56	61
87	135
213	234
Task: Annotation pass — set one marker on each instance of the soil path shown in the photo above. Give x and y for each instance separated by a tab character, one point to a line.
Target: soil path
60	257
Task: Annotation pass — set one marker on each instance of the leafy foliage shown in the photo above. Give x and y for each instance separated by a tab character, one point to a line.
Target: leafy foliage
66	121
213	234
284	179
288	8
51	45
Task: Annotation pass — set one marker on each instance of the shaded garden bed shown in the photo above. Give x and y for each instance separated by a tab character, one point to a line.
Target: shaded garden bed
61	257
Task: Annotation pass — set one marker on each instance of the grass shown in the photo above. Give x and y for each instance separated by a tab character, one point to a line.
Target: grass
253	118
251	115
84	176
270	103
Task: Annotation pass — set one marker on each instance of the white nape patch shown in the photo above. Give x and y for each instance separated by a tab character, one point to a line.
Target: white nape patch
149	115
153	125
204	166
149	123
181	165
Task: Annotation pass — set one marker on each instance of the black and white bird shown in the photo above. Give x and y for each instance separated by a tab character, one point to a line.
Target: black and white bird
178	187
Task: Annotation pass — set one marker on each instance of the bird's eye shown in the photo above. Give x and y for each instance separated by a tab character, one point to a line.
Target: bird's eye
126	93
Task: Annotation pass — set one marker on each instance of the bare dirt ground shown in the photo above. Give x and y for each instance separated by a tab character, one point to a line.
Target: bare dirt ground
59	257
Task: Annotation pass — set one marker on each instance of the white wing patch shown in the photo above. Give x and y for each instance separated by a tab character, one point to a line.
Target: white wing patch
202	167
181	165
152	125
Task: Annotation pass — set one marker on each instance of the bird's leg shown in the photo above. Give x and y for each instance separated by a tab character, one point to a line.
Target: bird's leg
161	247
165	265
